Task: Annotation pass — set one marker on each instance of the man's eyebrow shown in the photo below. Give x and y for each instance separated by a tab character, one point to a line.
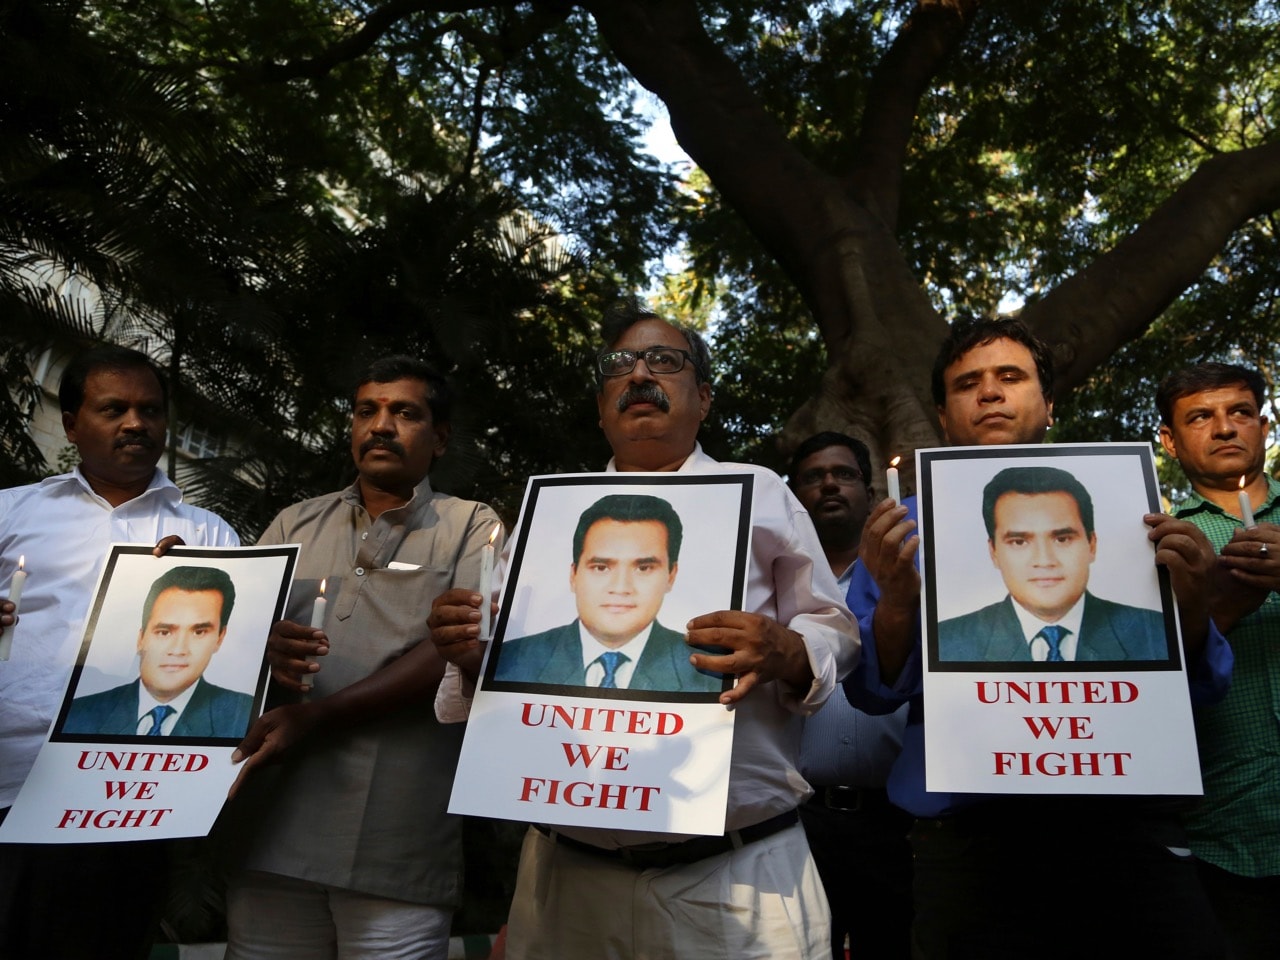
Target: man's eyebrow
599	559
653	559
1029	534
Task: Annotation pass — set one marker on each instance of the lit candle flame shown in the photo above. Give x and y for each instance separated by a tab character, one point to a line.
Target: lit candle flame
894	461
494	536
1242	481
22	560
322	583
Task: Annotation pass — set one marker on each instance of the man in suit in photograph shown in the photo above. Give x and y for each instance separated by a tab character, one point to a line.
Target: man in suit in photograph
184	622
1040	535
625	549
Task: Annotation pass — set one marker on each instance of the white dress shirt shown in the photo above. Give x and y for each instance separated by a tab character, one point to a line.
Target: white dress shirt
64	530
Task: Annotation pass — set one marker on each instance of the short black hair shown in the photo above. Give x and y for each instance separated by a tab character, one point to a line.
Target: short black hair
193	580
631	508
969	333
830	438
1031	481
1206	376
627	312
105	356
403	367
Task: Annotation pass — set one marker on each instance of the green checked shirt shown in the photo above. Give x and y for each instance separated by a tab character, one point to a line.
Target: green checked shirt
1237	827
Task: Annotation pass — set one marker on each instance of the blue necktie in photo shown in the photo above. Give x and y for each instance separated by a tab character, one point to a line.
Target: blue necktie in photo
158	716
611	661
1053	635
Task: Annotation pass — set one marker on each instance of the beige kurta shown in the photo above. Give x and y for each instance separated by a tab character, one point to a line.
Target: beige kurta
365	809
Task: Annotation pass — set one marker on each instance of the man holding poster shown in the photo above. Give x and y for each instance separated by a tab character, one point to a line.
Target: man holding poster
114	403
1015	876
754	891
626	556
347	838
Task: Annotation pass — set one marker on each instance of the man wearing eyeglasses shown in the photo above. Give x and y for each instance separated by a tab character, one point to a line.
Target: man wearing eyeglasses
858	838
753	891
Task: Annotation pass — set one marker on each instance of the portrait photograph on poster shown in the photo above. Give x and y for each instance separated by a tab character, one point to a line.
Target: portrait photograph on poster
1037	558
173	647
605	573
170	675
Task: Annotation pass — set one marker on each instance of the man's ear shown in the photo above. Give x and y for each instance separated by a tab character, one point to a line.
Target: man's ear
139	647
991	550
671	576
442	432
222	635
1048	416
1169	444
69	426
704	400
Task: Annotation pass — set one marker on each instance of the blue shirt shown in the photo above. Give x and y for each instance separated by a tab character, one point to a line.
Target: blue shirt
1208	679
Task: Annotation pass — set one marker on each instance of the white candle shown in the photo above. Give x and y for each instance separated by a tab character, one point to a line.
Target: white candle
1246	508
317	610
15	597
891	480
486	583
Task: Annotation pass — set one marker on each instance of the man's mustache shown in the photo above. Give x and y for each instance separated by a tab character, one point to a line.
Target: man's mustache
381	443
141	439
644	393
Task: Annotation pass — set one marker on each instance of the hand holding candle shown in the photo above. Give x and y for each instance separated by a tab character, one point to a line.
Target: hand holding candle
486	583
891	480
15	597
1246	508
317	623
317	611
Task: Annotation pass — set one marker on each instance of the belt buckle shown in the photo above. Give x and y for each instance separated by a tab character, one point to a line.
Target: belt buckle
837	799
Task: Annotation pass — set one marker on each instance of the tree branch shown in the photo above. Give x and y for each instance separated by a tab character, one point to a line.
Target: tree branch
784	199
384	18
1113	300
926	40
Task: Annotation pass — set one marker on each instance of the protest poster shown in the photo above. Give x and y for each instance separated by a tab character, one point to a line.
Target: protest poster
169	677
588	711
1053	658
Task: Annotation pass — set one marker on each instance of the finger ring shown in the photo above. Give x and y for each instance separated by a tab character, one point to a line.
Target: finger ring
1263	551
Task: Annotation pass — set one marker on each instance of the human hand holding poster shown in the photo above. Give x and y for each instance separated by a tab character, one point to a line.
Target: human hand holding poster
588	711
169	676
1053	650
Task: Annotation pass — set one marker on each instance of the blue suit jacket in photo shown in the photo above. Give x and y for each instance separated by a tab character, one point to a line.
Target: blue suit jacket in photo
1108	631
555	656
211	712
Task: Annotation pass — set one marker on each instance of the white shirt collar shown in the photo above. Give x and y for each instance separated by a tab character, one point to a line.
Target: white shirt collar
1032	625
593	648
695	461
147	703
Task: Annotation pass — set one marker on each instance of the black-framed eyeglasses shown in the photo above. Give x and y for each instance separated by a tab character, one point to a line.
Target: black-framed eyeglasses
617	363
844	476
